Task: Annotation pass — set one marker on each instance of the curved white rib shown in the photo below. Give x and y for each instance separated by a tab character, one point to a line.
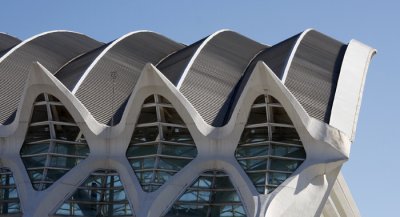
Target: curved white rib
194	57
293	52
103	53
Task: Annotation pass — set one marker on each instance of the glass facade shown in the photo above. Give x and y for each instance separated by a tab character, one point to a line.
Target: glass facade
9	200
270	149
161	144
101	195
211	195
53	144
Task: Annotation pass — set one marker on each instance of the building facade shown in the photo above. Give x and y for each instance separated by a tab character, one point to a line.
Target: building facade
145	126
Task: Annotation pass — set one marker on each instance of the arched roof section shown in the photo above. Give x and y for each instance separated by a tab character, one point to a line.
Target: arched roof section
276	57
313	72
52	49
213	71
7	42
108	82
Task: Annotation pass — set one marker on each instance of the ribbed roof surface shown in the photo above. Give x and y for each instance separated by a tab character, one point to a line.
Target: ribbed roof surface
51	49
210	73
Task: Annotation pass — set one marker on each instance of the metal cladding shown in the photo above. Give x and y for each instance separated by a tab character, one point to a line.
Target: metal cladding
145	126
210	73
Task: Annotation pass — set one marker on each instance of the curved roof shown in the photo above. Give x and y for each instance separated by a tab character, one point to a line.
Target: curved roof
313	72
120	62
213	71
7	42
52	49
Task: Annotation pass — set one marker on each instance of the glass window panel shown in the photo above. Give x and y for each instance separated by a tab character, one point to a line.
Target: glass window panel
177	134
162	177
179	150
52	98
223	182
71	149
251	135
226	197
284	165
40	98
35	161
141	150
279	115
144	134
54	174
273	100
61	114
35	148
286	135
203	182
172	164
36	175
149	99
275	178
147	115
63	162
163	100
259	100
257	178
251	151
67	133
143	163
257	116
39	114
171	116
288	151
254	164
37	133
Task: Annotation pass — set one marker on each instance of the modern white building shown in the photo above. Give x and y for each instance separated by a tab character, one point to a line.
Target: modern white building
145	126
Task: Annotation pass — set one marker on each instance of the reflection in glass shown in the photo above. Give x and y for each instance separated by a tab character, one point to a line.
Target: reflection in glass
101	195
211	195
53	144
270	149
9	200
161	145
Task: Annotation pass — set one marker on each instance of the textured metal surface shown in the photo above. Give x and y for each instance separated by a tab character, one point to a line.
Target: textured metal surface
214	73
110	82
52	50
72	72
7	42
174	65
313	73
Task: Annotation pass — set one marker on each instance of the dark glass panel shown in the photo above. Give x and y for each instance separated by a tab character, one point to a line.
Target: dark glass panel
71	149
254	164
284	165
39	114
251	135
144	134
141	150
149	99
37	133
257	116
259	100
37	148
67	133
163	100
179	150
251	151
147	115
286	135
279	115
40	98
35	161
53	99
143	163
275	178
171	116
61	114
177	134
288	151
172	163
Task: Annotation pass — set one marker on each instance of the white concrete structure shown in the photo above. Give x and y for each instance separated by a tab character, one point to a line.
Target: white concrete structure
148	127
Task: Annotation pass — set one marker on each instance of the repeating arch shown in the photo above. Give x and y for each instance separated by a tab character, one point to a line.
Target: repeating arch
53	144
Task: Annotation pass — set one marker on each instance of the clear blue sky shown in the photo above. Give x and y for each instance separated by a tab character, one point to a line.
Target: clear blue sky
372	172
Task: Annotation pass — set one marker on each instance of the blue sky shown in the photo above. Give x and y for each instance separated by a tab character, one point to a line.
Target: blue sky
371	173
